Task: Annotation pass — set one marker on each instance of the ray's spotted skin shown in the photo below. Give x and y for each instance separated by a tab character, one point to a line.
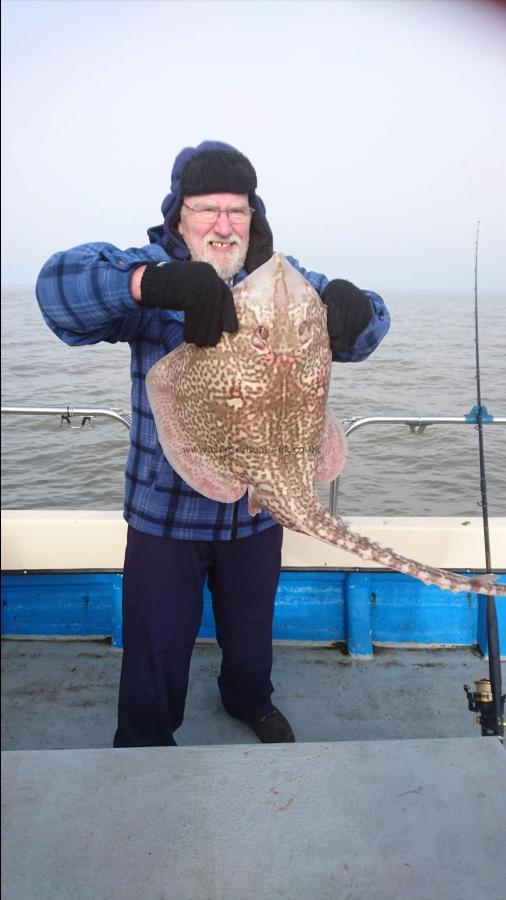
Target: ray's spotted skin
251	414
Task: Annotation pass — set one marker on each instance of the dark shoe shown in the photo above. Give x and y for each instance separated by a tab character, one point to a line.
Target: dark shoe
272	728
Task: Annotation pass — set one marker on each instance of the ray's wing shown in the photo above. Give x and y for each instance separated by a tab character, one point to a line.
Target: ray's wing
192	462
333	450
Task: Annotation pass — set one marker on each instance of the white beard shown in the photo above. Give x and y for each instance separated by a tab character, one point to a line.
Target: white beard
230	266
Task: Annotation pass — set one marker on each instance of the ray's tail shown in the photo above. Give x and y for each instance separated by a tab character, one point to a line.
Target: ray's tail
315	521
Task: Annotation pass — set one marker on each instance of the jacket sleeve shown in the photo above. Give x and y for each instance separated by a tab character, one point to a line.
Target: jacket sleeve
372	334
84	293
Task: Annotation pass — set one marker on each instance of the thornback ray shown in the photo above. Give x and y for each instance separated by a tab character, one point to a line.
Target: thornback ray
251	414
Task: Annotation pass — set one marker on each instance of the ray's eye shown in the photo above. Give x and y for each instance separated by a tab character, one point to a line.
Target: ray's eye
303	328
260	338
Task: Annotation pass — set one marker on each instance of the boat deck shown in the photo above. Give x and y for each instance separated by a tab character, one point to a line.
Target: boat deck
388	793
63	694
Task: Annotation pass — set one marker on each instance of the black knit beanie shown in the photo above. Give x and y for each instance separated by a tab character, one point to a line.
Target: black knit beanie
218	171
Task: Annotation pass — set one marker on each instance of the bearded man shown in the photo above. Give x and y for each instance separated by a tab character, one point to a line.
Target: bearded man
176	288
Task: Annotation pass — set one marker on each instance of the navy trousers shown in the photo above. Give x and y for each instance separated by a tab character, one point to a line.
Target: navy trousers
163	584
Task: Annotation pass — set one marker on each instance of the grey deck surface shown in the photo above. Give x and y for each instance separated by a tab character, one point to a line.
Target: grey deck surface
62	695
371	819
389	792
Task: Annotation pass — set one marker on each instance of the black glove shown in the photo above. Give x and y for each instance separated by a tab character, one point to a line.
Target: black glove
197	289
349	311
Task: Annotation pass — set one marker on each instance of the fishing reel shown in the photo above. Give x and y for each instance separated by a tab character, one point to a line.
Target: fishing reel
481	701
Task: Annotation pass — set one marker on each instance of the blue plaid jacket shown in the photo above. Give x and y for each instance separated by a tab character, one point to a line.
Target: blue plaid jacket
84	296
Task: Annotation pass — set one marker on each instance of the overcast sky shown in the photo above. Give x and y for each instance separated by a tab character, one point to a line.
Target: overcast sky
377	127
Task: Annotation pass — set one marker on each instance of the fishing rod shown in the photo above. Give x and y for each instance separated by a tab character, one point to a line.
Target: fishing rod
487	699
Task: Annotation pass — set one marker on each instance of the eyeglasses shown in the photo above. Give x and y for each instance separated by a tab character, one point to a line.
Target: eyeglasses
238	215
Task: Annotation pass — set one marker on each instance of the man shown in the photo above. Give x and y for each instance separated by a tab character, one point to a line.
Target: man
178	287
